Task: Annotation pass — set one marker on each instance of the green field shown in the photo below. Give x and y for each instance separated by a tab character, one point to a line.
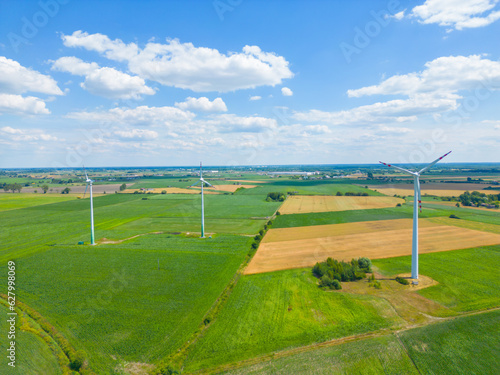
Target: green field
279	310
112	301
12	201
319	187
467	345
468	279
33	356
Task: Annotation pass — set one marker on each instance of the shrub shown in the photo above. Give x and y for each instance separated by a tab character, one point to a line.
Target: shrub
257	237
402	281
278	213
255	245
275	196
339	194
164	192
398	205
336	285
365	264
454	216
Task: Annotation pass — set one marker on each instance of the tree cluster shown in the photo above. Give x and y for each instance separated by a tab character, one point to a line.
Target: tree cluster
351	194
275	197
476	199
332	272
14	187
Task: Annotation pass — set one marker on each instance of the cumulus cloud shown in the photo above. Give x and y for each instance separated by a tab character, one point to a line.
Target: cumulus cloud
256	97
16	79
230	123
185	66
107	82
443	76
17	104
457	14
142	115
286	91
136	134
203	104
25	134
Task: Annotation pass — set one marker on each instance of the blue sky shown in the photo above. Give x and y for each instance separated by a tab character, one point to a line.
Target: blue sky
239	82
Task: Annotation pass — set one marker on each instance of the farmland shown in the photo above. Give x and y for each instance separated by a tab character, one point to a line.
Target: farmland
305	204
295	248
152	292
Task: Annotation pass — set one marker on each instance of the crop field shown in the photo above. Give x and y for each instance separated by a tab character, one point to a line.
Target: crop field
13	201
270	312
294	248
467	278
33	356
173	190
467	345
305	204
307	188
106	309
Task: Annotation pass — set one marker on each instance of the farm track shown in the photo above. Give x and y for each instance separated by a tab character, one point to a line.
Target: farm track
335	342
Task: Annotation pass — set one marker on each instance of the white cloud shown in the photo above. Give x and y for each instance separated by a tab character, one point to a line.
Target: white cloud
392	130
18	104
286	91
185	66
136	134
107	82
24	135
142	115
230	123
16	79
443	76
399	16
457	14
203	104
256	97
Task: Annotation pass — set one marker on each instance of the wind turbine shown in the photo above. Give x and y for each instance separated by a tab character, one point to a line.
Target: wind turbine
416	205
89	183
203	182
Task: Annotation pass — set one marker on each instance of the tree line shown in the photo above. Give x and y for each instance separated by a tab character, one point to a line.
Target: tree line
331	272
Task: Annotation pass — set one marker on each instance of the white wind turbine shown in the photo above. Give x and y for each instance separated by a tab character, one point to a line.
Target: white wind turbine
89	183
203	182
416	205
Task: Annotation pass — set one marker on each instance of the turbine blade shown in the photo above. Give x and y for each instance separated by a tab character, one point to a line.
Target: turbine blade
209	184
85	190
401	169
86	177
196	183
431	164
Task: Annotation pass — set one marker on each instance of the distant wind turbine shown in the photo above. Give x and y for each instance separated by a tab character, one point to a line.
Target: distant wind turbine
203	182
416	205
89	183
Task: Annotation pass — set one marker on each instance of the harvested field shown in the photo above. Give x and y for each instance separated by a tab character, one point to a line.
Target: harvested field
305	204
295	248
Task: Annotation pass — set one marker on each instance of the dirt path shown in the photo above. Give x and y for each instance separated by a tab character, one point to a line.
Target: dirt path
105	241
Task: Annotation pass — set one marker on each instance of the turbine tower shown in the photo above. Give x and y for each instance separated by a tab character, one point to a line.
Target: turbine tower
416	205
89	183
203	182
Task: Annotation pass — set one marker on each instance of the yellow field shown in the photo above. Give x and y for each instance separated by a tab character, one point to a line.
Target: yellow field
299	204
436	192
304	246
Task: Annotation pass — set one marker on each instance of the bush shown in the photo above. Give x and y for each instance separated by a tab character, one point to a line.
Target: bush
336	285
454	216
275	196
278	213
339	194
398	205
257	237
164	192
255	245
402	281
376	284
342	271
144	199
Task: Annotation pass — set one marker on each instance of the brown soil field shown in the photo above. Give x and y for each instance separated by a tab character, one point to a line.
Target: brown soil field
304	203
297	252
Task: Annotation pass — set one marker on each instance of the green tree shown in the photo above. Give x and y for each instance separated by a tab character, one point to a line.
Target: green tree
123	186
45	188
66	191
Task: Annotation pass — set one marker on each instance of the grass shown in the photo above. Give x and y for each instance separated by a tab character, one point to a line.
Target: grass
9	201
113	302
468	345
306	188
380	355
468	279
279	310
33	356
